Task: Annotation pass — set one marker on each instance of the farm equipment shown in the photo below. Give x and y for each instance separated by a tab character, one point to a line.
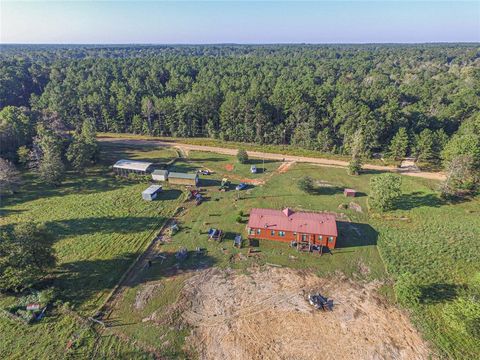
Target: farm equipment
225	185
215	234
320	302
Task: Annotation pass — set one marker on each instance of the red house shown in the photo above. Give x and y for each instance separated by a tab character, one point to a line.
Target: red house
286	226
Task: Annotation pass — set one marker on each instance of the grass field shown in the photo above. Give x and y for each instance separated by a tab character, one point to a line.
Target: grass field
101	225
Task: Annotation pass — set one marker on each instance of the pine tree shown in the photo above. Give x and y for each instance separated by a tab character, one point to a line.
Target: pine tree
399	144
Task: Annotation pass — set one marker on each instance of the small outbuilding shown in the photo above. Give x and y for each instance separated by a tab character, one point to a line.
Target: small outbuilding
183	178
125	167
151	193
349	192
160	175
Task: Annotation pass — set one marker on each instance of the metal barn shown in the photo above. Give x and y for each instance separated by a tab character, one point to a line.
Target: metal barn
125	167
183	178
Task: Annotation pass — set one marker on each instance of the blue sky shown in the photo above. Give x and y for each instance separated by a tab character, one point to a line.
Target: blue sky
197	22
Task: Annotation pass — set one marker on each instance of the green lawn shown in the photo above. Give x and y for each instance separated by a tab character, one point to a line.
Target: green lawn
100	224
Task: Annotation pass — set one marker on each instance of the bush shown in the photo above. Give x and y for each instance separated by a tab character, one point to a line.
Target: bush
242	156
384	190
240	213
239	219
306	184
354	166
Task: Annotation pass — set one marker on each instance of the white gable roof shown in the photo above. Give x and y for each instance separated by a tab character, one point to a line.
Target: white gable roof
132	165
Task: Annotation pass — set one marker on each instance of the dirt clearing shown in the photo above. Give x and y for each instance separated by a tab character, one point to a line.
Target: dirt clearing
264	315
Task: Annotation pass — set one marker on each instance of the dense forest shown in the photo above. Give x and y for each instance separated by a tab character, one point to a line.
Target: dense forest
313	97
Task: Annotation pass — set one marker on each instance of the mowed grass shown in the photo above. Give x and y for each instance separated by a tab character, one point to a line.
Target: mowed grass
100	225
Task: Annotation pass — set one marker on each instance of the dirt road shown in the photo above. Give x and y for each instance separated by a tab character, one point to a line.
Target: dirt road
272	156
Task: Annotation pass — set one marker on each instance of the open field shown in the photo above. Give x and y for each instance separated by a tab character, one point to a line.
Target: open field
102	225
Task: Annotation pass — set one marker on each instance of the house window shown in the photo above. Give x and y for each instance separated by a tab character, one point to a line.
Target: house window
251	232
330	239
294	233
281	233
320	237
272	232
259	231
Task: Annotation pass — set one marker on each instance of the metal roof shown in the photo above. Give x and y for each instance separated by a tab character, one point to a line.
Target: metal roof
182	175
160	172
152	189
132	165
288	220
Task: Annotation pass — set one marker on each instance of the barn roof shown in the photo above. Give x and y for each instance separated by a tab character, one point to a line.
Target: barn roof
288	220
182	175
132	165
160	172
152	189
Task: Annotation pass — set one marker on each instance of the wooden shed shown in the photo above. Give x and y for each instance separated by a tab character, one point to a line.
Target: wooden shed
177	178
349	192
151	192
160	175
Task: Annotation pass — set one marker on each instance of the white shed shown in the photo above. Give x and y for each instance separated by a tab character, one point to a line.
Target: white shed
160	175
151	192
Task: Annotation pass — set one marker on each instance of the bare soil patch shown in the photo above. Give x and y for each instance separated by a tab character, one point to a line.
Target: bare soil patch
283	168
145	294
265	315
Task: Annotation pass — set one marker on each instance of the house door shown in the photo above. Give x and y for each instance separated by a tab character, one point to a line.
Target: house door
304	237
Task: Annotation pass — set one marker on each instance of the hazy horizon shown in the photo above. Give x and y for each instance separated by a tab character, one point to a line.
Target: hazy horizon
239	23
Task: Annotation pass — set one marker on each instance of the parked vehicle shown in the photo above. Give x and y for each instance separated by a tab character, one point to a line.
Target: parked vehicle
253	169
205	172
241	186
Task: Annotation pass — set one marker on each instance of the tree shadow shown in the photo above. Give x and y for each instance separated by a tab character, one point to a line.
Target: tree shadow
209	182
168	194
95	180
326	190
438	293
418	199
103	225
84	280
355	234
111	153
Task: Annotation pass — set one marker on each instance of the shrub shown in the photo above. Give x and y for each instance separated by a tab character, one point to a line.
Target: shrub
242	156
384	190
306	184
354	166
